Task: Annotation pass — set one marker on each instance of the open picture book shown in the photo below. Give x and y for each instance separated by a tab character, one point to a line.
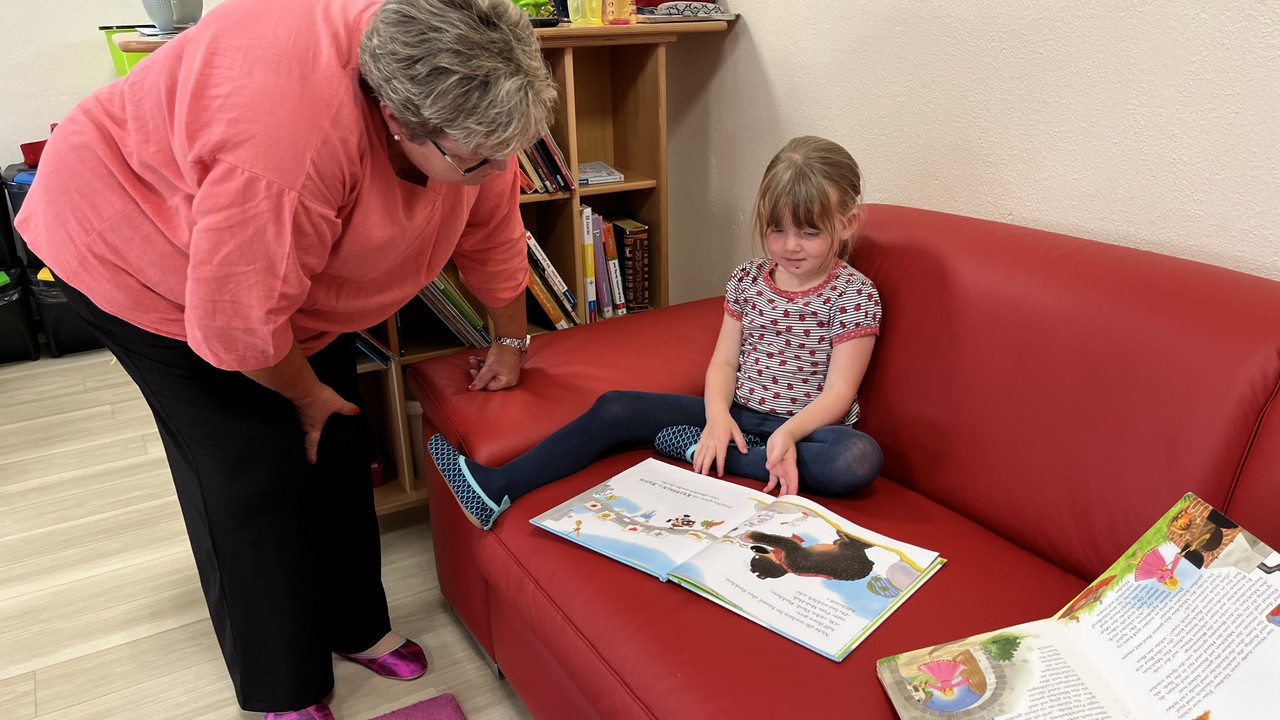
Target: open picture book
786	563
1185	625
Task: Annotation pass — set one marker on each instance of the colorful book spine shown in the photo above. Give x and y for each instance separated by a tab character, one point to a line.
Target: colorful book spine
552	278
459	303
633	250
540	162
546	301
559	158
616	289
527	166
588	266
604	297
449	316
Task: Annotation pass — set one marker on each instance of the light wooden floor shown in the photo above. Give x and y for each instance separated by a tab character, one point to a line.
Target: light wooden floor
101	614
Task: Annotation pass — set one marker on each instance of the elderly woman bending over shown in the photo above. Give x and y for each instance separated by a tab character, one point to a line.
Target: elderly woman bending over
277	176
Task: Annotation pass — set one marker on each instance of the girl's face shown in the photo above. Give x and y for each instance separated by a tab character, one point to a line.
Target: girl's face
803	255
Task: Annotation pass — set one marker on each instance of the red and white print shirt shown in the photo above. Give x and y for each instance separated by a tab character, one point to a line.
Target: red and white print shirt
787	337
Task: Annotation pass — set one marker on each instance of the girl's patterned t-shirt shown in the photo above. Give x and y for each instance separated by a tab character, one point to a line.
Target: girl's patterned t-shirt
787	337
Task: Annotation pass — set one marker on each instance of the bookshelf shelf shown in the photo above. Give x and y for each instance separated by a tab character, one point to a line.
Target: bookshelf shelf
631	181
613	100
543	197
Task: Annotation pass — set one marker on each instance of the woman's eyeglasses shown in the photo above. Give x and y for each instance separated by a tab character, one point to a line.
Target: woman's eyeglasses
459	168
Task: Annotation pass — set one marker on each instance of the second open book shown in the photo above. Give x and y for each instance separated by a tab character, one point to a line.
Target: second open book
786	563
1185	626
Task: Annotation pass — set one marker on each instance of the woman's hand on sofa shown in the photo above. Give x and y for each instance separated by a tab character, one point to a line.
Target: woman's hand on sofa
499	369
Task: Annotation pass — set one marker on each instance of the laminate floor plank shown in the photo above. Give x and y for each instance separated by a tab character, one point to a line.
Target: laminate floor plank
18	697
101	613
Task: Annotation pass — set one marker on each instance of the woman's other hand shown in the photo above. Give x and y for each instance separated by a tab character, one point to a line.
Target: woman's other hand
314	411
500	368
314	401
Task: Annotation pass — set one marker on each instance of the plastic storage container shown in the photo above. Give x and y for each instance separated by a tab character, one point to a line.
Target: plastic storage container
64	331
18	338
8	244
122	61
17	180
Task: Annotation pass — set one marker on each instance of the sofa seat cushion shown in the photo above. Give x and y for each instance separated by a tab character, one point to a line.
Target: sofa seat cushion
642	648
662	350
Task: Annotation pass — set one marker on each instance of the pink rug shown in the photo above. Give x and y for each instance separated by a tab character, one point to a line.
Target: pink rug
440	707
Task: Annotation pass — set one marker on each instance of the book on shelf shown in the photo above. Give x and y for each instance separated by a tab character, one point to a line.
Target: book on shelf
431	296
604	294
552	278
468	313
588	265
448	303
559	157
546	300
528	172
633	251
549	165
597	172
616	290
376	349
734	545
1184	625
540	164
526	184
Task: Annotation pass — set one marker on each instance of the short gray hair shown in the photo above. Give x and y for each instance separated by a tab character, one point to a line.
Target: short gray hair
471	69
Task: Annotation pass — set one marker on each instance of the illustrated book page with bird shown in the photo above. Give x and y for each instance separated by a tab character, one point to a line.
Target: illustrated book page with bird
1183	626
786	563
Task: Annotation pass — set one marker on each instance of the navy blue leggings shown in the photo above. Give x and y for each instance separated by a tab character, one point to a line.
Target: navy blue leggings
833	460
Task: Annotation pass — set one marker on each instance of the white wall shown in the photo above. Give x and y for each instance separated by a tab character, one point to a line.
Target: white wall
52	55
1156	127
1153	125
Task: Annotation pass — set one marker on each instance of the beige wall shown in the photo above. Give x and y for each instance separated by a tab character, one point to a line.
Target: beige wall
1153	125
52	55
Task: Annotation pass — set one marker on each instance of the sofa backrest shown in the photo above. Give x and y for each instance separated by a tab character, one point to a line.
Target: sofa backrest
1065	392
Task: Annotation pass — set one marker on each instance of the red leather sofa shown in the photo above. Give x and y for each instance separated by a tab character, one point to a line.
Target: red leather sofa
1040	399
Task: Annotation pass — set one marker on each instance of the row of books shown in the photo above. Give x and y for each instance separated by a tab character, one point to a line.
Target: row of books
448	303
548	288
614	282
615	279
543	168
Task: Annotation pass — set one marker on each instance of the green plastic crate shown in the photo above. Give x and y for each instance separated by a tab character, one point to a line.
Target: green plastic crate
123	61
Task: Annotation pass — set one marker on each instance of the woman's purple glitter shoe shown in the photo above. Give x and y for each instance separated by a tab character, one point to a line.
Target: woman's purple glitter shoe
319	711
405	662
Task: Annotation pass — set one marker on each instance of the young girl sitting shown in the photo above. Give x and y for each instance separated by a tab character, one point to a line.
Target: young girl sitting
782	385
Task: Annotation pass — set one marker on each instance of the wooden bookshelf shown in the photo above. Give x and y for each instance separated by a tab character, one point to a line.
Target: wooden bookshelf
613	108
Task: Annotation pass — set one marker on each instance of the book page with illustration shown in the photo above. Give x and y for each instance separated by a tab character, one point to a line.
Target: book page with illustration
786	563
1182	626
799	569
653	516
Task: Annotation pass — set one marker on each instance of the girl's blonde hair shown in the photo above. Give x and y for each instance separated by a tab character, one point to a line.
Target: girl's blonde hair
814	183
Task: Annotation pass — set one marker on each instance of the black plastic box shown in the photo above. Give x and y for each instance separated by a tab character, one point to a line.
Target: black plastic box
17	179
64	331
18	338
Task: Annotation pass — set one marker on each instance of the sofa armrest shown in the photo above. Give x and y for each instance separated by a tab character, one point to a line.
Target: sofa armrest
663	350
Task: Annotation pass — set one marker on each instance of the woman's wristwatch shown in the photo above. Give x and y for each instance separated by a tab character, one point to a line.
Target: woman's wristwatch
521	344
